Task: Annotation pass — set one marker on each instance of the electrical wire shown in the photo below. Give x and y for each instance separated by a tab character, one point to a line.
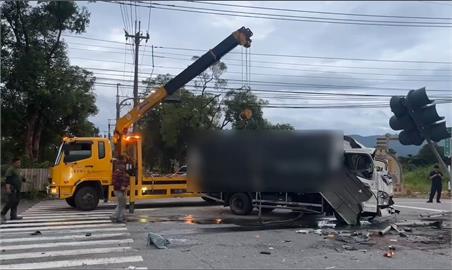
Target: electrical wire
324	12
286	55
288	18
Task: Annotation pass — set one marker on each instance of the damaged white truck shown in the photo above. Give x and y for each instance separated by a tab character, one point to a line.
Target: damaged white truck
362	189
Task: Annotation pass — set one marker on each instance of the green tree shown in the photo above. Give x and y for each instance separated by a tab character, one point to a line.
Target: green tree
43	96
236	102
168	128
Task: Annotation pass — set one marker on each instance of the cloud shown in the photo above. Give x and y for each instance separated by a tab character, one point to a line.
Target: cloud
201	31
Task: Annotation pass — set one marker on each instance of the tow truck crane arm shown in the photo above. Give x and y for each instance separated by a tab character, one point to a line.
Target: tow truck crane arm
240	37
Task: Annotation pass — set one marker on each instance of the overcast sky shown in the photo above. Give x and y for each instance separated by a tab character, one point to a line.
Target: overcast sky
111	62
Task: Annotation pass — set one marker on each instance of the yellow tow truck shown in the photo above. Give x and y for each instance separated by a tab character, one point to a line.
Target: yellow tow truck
83	168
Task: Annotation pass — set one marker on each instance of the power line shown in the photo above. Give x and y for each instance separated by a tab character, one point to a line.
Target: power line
330	105
290	56
305	17
276	75
326	12
295	69
285	17
321	86
297	93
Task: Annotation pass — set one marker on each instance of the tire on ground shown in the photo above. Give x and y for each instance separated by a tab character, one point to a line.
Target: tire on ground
70	201
86	198
240	204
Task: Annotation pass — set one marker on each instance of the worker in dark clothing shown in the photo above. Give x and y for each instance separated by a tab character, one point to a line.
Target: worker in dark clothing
436	177
120	183
12	188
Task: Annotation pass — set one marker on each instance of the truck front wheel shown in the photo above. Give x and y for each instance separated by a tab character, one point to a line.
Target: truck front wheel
70	201
86	198
240	204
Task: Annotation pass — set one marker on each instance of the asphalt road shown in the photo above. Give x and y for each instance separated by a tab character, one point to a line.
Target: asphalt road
205	236
211	237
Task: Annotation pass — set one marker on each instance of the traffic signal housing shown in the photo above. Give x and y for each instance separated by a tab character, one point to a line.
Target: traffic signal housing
417	117
401	120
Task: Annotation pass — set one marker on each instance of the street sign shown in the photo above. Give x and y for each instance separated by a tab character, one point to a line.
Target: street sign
447	143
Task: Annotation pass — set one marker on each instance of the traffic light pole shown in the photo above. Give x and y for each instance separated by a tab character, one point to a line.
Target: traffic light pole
441	162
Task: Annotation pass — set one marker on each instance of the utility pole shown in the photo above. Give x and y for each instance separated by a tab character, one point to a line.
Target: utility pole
109	127
137	37
118	107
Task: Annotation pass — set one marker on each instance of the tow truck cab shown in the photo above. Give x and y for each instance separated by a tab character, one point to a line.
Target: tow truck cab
82	171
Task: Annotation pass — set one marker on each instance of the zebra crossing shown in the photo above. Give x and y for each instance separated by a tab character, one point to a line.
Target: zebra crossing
54	235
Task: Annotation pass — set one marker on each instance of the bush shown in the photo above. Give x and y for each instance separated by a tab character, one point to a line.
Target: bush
417	180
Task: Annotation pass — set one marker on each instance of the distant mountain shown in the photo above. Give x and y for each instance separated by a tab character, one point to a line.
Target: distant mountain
401	150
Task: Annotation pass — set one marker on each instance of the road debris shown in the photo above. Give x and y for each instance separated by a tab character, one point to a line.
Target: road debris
88	234
36	233
347	247
400	232
318	232
407	229
303	231
385	230
392	227
436	215
420	223
265	252
390	253
157	240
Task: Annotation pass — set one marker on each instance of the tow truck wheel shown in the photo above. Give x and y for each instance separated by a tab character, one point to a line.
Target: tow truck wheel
86	198
70	202
240	204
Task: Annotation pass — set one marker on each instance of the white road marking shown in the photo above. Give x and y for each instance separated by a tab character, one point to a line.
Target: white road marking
73	263
419	208
107	229
54	223
63	237
64	216
66	244
29	220
56	253
46	228
67	213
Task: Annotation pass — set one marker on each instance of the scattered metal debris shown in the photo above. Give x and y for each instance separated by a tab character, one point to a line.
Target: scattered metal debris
157	240
303	231
385	230
419	223
318	231
392	227
407	229
347	247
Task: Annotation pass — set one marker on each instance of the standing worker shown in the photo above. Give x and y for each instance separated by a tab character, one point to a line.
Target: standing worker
120	184
437	186
13	185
